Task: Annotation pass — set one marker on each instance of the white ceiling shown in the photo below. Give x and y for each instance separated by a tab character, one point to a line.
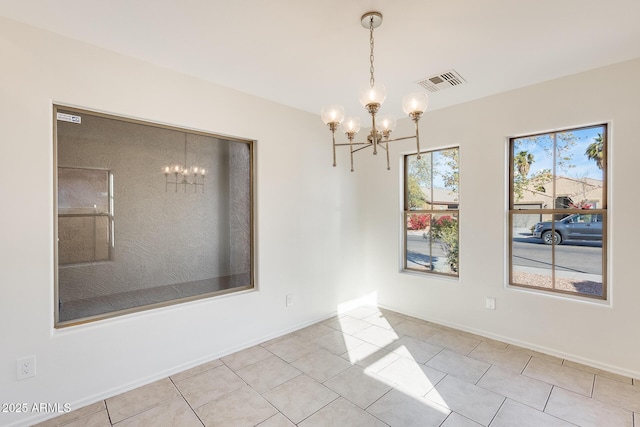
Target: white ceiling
307	54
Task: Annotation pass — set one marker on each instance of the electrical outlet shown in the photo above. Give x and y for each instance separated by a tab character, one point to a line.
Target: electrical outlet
491	303
289	300
26	367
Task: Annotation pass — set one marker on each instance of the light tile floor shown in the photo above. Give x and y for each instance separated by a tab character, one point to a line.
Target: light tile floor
373	367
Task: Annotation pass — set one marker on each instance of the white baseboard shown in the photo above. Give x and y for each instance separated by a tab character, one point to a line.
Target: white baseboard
525	344
81	403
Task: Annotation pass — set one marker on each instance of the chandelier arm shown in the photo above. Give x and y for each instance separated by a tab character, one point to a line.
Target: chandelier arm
374	135
351	151
342	144
334	150
387	150
361	148
417	140
333	127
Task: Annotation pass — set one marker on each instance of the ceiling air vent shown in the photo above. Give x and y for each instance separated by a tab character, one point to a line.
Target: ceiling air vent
442	81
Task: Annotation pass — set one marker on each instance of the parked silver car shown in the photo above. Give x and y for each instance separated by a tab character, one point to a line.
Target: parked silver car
582	226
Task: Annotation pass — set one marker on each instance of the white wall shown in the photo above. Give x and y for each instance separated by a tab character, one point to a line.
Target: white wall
600	334
308	223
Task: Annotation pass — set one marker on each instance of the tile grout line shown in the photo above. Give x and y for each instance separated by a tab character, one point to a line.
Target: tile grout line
491	365
445	420
525	365
496	414
106	408
186	401
544	408
374	402
319	409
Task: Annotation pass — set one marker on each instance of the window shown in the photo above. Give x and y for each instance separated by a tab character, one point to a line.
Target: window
558	211
85	215
431	212
181	202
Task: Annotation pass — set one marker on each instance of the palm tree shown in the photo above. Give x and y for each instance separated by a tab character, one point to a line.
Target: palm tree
595	151
523	161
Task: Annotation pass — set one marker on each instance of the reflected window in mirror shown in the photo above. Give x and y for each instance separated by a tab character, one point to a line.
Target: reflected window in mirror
147	215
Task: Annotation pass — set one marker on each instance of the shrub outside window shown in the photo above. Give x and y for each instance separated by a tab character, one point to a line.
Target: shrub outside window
558	211
431	212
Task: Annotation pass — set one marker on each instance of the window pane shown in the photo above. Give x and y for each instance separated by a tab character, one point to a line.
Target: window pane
443	235
419	182
445	179
418	248
531	259
578	266
82	191
532	171
579	162
83	239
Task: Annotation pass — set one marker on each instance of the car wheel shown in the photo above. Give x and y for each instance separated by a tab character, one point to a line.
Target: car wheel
551	238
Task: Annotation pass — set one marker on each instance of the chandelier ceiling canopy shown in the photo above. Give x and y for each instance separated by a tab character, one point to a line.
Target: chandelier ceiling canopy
372	97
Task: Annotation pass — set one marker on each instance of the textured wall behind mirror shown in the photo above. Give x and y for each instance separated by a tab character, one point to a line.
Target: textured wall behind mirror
147	215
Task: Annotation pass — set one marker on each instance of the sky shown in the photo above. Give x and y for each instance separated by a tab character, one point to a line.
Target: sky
576	166
571	160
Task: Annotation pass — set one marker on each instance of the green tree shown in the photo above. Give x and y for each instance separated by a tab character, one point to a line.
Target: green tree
419	175
536	181
523	161
451	174
417	198
595	151
540	178
445	231
558	148
421	169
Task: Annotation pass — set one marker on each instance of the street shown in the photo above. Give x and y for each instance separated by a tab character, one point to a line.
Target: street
418	253
571	256
575	256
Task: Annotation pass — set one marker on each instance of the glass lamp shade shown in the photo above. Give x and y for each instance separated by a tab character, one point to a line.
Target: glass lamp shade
332	114
373	95
350	125
386	123
416	102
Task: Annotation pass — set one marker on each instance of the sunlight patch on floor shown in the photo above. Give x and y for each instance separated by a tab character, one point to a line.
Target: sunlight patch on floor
386	362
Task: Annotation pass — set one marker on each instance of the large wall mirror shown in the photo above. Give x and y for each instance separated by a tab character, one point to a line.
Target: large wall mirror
147	215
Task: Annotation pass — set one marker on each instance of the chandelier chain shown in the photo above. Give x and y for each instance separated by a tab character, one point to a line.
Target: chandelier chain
371	79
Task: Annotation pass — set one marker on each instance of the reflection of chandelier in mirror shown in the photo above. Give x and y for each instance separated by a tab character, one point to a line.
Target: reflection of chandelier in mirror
371	97
182	174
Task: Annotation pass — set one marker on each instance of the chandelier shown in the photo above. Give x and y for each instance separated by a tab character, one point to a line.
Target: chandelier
184	175
371	97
